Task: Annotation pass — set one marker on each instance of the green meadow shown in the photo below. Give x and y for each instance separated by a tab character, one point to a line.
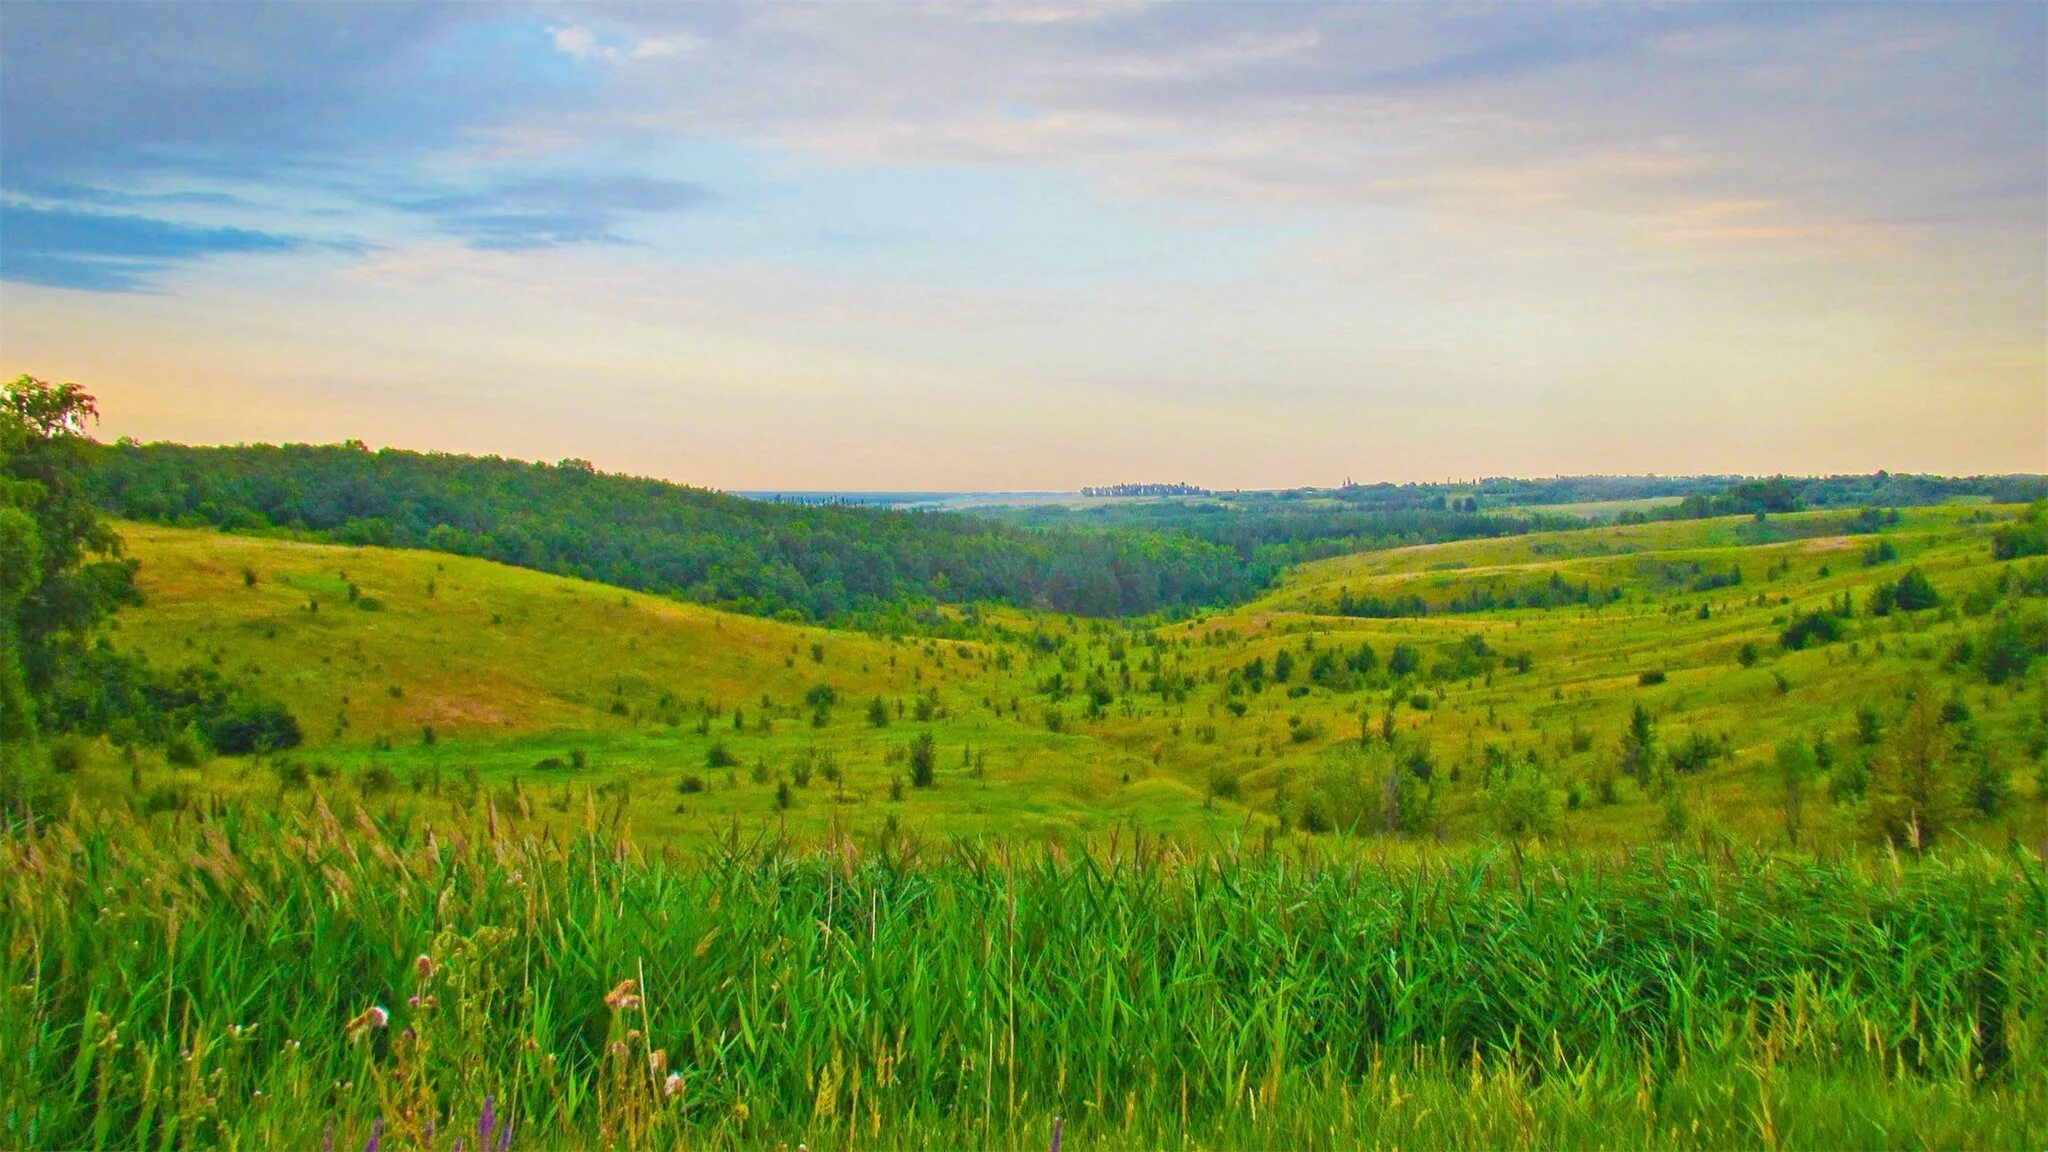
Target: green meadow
434	683
1697	833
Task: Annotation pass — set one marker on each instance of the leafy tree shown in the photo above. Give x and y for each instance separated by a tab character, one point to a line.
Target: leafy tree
1795	767
71	576
1520	802
1914	797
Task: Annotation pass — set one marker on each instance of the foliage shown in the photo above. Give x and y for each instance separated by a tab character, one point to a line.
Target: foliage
1915	797
820	562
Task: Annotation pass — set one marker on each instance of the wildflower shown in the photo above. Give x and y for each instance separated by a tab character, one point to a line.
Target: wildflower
1057	1121
673	1084
486	1122
623	998
424	967
372	1018
376	1135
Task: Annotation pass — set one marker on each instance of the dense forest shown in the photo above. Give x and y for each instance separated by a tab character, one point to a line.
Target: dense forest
797	561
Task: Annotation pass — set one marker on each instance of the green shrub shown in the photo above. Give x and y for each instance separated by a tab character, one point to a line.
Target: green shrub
185	749
67	755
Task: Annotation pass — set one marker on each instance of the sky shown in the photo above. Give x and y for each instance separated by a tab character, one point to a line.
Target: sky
1043	244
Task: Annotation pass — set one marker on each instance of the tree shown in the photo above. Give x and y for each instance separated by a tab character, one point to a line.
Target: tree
1519	800
1914	593
1639	747
1913	797
1796	767
74	576
924	760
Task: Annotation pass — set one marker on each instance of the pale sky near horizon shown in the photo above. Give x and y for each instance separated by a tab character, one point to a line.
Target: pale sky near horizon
1040	245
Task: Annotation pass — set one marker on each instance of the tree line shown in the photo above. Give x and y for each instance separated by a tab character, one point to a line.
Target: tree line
822	563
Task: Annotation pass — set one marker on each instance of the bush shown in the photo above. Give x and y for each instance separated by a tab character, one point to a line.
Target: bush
1650	678
184	749
68	755
376	780
248	724
1811	628
1520	803
719	756
690	784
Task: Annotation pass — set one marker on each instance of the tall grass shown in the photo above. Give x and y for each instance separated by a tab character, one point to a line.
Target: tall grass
195	987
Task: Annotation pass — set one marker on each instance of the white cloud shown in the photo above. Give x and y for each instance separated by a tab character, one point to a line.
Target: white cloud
580	42
659	47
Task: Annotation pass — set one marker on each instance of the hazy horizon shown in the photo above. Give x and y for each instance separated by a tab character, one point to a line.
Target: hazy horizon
1031	247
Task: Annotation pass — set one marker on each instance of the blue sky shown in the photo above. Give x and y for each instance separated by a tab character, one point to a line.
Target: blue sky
1039	245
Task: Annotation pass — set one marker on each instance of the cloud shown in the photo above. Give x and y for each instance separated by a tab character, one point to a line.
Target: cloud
551	211
579	42
100	252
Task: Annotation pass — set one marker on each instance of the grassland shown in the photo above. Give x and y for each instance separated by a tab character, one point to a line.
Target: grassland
444	678
246	980
1205	882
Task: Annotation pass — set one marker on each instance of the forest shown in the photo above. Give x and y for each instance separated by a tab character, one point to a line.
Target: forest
808	562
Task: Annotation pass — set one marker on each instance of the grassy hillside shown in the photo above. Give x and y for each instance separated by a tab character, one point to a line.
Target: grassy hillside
544	689
600	865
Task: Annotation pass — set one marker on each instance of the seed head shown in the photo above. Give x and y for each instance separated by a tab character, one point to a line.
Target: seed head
623	998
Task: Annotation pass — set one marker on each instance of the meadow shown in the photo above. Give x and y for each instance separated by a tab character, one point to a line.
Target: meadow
426	681
1681	834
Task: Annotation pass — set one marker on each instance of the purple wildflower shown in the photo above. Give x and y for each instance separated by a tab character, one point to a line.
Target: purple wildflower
376	1135
327	1138
486	1123
1056	1122
505	1137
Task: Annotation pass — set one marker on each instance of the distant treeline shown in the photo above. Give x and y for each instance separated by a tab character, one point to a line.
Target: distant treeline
1144	490
1271	531
811	562
1703	496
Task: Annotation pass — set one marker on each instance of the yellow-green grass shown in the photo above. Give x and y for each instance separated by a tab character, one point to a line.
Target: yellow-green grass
512	668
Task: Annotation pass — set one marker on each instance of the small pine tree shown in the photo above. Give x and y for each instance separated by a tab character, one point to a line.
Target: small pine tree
1639	747
878	713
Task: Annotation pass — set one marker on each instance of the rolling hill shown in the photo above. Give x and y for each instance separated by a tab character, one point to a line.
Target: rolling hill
412	671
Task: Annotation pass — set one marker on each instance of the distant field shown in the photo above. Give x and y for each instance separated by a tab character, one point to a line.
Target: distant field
1600	509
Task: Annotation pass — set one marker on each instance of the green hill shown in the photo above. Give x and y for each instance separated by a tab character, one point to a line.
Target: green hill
423	679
